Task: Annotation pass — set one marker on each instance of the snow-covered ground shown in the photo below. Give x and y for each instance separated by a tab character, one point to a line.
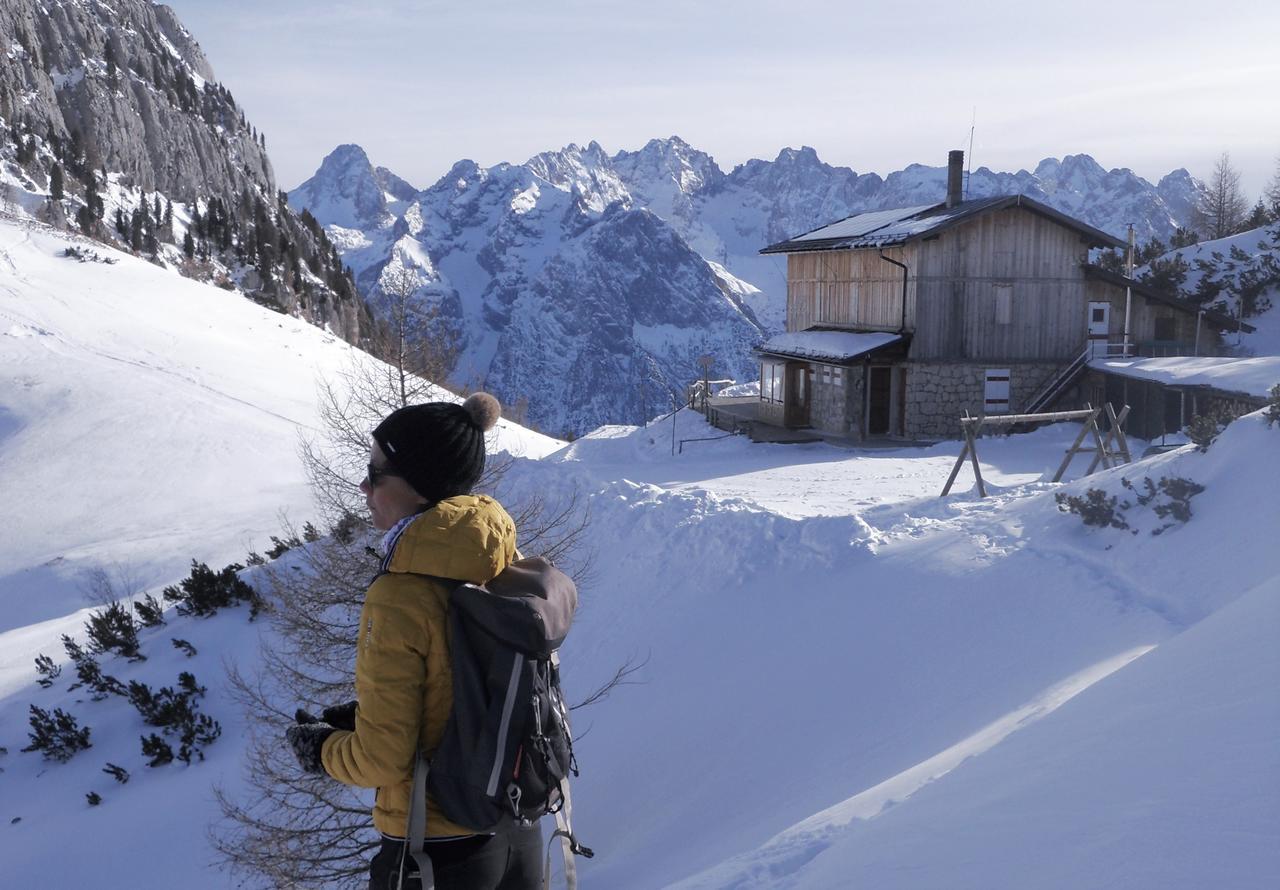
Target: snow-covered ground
847	680
145	420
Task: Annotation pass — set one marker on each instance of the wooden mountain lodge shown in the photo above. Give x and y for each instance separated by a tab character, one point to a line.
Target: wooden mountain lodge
900	320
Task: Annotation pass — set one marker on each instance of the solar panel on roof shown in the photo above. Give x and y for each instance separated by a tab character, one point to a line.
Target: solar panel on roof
862	224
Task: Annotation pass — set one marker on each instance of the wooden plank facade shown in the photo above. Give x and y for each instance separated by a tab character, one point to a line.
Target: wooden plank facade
952	308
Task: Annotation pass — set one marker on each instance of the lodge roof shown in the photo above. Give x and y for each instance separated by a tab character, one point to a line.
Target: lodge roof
1248	376
836	347
890	228
1224	322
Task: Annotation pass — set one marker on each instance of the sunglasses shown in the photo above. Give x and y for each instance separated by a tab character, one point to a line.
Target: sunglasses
374	474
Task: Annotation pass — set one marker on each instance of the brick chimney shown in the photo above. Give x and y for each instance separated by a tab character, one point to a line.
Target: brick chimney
955	177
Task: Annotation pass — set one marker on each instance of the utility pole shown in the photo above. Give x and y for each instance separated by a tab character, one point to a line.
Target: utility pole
1128	293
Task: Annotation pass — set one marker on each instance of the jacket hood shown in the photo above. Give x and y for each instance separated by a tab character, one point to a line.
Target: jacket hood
467	538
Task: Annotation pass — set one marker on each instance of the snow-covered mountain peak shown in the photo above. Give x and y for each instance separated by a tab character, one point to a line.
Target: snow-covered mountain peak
345	191
587	171
671	159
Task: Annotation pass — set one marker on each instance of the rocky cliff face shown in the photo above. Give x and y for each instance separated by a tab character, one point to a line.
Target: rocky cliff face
123	102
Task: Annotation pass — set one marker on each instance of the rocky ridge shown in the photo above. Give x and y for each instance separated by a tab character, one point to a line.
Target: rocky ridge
116	108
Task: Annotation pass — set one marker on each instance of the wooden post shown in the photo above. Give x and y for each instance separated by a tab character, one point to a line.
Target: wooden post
1097	439
964	452
970	450
1116	433
1075	446
1117	424
706	361
969	429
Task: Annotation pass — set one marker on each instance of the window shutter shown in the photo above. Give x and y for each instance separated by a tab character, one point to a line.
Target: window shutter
1004	303
995	399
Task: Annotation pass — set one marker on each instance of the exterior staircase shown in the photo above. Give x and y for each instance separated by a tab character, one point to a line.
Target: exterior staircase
1059	383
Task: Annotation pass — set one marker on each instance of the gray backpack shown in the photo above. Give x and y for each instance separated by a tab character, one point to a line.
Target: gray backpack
507	751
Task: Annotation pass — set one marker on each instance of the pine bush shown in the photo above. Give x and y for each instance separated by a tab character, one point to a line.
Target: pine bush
150	611
1095	508
175	712
57	736
112	629
279	547
1204	429
47	670
89	672
205	591
156	750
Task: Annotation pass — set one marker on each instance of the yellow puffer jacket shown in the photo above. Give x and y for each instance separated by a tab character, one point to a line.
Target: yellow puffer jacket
403	674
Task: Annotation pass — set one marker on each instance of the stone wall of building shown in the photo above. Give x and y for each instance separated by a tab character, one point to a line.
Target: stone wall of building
836	408
939	394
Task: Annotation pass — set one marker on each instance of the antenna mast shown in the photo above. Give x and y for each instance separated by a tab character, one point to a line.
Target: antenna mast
969	173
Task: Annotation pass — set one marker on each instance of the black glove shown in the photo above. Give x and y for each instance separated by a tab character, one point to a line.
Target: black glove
339	716
307	739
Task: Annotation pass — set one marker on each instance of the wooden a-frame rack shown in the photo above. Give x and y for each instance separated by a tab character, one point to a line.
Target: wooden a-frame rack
1102	449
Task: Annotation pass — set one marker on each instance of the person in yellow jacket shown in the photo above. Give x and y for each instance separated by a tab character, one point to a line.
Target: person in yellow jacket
424	462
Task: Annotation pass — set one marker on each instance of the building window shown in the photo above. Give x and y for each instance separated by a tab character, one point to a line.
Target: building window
830	375
773	377
995	398
1004	303
1099	315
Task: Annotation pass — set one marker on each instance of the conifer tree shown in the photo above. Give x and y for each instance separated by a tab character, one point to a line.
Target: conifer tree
1223	208
1272	193
1258	217
135	230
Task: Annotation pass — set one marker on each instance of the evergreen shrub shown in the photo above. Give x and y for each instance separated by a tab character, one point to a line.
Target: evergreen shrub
57	736
205	591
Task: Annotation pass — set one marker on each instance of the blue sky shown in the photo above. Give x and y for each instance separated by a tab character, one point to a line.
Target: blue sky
1150	86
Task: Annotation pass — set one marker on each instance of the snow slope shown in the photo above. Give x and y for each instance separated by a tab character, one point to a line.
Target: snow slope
145	420
1164	774
844	678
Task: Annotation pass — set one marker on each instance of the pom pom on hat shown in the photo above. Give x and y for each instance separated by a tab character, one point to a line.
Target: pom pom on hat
484	410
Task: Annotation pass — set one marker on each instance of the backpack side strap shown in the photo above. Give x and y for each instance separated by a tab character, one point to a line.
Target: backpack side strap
569	845
417	827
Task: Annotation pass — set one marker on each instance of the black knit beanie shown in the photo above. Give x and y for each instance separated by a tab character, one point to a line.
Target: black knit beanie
439	447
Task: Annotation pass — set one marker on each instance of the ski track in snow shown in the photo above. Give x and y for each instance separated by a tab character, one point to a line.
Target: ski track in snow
774	865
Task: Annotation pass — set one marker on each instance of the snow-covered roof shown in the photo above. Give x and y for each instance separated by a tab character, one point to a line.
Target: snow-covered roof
886	228
827	346
863	223
1251	376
